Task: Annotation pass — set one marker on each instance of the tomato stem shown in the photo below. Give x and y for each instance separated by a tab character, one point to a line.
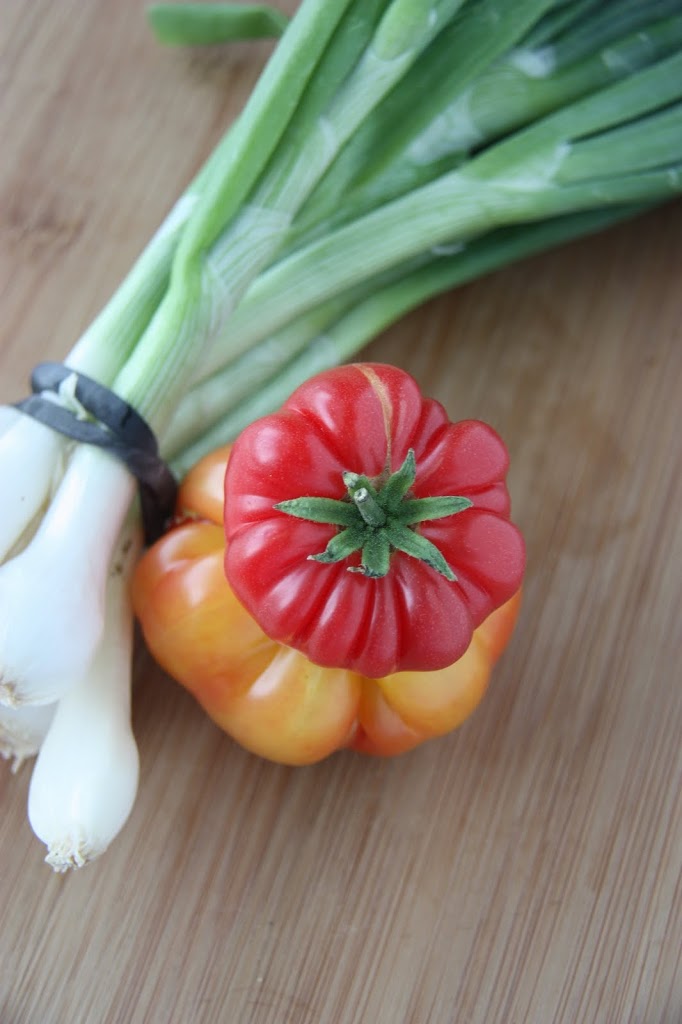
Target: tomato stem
376	519
368	507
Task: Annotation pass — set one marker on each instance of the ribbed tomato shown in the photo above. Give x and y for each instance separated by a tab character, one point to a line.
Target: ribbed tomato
270	698
365	529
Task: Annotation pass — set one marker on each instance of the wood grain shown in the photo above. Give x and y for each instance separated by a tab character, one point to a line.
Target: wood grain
524	869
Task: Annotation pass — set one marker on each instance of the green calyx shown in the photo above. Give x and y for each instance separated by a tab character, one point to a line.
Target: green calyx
376	518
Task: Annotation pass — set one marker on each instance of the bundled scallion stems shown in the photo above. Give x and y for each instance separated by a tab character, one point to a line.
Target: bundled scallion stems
391	150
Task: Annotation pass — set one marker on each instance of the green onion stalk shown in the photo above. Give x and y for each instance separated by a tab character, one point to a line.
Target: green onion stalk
391	150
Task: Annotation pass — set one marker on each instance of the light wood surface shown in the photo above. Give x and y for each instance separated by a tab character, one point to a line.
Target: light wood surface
524	869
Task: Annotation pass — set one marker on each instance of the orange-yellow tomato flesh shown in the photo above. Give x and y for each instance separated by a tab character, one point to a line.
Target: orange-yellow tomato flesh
379	729
201	491
193	624
433	703
426	704
497	629
294	712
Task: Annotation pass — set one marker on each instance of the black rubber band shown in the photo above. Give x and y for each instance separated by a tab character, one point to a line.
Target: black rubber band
119	430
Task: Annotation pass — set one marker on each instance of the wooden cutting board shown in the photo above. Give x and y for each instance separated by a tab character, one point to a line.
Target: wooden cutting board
524	869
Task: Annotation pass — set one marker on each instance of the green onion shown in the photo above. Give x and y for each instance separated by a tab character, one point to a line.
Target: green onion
218	407
84	782
199	24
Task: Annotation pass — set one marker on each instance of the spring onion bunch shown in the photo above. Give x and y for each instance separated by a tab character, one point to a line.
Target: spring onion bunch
390	150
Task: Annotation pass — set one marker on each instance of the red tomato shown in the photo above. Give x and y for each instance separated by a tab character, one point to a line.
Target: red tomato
367	448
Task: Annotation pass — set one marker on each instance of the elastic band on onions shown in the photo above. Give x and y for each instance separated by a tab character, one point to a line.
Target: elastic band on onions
115	426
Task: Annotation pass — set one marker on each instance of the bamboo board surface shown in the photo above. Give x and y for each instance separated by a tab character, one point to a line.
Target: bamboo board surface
524	869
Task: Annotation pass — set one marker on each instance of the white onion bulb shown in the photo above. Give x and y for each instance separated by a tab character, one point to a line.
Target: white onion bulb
85	779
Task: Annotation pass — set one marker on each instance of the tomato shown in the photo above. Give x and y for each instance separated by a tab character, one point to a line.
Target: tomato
365	529
269	696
